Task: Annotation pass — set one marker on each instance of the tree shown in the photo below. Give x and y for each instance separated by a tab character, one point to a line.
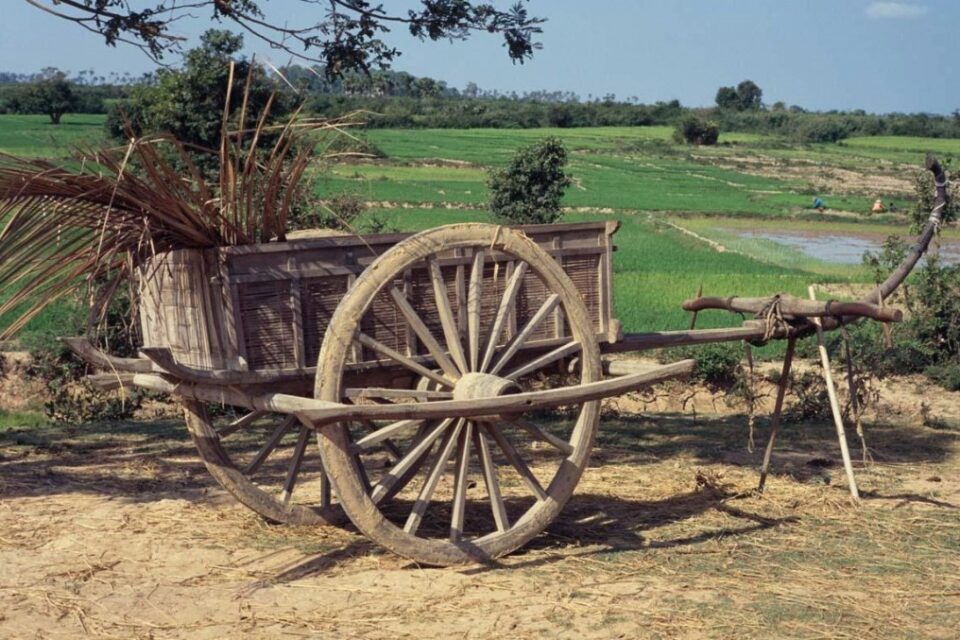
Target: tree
529	190
52	95
189	102
749	95
746	96
345	37
727	98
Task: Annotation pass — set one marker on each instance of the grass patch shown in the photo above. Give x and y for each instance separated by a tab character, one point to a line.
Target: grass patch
21	419
34	137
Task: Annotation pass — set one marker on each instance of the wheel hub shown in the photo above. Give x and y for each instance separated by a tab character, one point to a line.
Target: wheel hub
474	386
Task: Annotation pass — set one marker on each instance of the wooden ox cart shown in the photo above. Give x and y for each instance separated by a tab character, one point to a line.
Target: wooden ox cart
452	379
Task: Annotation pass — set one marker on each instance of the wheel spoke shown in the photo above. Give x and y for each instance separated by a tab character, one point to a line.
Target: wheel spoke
491	479
433	478
370	440
423	333
473	307
387	443
240	423
413	456
460	487
271	444
450	332
541	434
503	312
377	392
294	469
398	357
547	358
545	309
513	457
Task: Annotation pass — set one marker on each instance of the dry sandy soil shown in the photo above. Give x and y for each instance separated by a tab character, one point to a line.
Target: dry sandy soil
116	531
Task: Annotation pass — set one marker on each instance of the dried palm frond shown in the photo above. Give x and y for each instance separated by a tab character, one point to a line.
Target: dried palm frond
63	228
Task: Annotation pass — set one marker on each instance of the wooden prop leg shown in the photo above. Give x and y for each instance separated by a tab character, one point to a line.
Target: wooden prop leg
834	404
777	411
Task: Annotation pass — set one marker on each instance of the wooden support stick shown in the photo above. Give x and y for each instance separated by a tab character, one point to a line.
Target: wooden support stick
693	315
834	403
777	411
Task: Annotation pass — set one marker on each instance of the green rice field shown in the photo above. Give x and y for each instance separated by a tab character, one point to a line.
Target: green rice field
635	175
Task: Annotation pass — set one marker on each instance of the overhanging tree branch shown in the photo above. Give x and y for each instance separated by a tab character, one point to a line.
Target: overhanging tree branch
346	37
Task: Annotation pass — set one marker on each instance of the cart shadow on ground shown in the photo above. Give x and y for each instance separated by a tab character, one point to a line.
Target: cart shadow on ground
596	525
155	460
60	458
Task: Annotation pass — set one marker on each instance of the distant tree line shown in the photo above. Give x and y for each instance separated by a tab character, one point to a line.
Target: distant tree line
397	99
54	92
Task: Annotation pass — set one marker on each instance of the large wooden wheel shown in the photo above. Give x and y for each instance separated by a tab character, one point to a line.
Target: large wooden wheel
264	461
465	490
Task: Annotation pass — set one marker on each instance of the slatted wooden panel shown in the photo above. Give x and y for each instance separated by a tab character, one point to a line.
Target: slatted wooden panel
385	324
584	271
267	315
422	299
319	298
267	306
532	295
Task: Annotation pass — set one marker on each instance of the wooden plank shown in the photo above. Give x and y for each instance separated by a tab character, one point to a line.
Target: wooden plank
320	413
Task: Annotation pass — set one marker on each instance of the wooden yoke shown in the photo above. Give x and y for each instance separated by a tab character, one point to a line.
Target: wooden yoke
796	307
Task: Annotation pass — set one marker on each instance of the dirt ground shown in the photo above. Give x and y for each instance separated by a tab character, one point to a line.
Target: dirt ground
116	531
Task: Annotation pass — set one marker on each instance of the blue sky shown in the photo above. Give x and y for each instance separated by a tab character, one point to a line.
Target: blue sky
820	54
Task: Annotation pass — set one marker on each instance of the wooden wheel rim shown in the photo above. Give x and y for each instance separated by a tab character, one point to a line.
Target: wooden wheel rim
224	470
334	440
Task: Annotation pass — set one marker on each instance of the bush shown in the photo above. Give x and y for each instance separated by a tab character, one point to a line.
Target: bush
71	399
929	340
338	212
529	190
822	129
695	130
718	364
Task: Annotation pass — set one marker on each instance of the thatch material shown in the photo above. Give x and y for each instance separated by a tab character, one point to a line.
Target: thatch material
64	228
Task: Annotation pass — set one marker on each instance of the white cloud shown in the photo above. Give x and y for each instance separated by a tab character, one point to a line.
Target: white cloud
895	10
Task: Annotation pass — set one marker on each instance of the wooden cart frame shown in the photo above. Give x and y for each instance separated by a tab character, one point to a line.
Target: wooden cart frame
473	345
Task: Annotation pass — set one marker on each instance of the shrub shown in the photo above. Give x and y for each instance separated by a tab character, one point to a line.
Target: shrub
529	190
822	129
717	363
338	211
929	340
696	130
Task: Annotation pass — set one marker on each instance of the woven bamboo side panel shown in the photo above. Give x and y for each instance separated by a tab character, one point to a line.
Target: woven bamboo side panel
176	309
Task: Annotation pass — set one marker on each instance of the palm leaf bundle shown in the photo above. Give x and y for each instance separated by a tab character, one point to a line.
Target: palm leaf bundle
91	224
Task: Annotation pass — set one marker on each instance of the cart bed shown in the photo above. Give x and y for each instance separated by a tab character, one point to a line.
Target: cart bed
266	307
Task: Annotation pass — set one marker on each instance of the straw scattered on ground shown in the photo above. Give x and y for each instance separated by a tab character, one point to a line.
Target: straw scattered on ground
116	531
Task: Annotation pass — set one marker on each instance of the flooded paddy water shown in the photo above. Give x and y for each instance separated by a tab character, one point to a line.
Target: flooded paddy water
840	248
